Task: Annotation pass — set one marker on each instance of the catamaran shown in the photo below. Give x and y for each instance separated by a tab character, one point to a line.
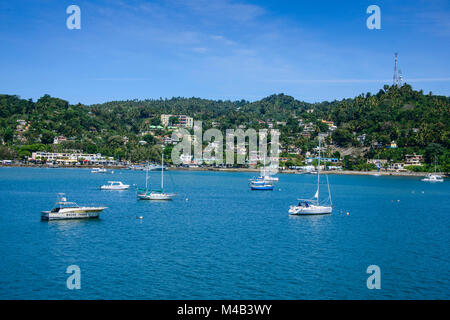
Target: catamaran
70	210
146	194
433	177
115	185
313	206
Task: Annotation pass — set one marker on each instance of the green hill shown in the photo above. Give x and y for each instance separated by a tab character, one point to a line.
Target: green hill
415	121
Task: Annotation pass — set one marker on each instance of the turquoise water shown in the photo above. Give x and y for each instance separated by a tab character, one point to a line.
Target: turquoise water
225	242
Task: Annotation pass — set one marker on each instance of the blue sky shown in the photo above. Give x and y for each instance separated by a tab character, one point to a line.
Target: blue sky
220	49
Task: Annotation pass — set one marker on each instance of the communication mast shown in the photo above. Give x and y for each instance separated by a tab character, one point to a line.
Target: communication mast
395	70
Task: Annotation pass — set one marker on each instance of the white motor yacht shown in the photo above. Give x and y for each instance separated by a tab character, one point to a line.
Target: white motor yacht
70	210
115	185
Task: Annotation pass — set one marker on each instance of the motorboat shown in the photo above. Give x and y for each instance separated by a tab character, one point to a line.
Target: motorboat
115	185
99	170
64	209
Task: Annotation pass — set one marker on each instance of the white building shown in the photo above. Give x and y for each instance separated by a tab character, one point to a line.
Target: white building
184	121
71	158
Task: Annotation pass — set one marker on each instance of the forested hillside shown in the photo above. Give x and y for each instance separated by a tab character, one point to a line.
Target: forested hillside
415	121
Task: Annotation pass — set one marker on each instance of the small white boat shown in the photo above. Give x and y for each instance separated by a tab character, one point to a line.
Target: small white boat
99	170
313	206
433	178
115	185
70	210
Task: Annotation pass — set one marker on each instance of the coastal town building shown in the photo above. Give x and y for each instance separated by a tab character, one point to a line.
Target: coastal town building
71	158
59	139
397	167
310	160
183	120
378	162
393	145
413	159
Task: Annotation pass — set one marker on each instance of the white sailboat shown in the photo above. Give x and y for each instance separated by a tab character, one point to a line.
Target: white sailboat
313	206
268	175
146	194
263	182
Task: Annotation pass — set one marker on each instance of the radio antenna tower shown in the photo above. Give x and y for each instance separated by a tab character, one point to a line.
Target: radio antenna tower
400	78
395	70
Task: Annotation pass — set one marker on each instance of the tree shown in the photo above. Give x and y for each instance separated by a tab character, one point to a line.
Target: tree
47	137
433	151
342	137
8	135
150	139
7	153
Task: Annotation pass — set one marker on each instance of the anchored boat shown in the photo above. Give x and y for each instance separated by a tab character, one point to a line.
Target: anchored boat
115	185
99	170
313	206
64	209
260	184
146	194
433	177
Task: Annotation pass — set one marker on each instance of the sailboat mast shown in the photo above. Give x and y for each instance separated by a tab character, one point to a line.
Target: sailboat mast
162	169
318	174
146	178
264	170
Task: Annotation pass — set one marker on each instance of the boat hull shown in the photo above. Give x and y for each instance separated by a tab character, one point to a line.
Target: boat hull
262	188
72	214
313	210
115	188
156	196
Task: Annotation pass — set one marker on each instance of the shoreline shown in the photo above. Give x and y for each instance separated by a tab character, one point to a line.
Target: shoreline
288	171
